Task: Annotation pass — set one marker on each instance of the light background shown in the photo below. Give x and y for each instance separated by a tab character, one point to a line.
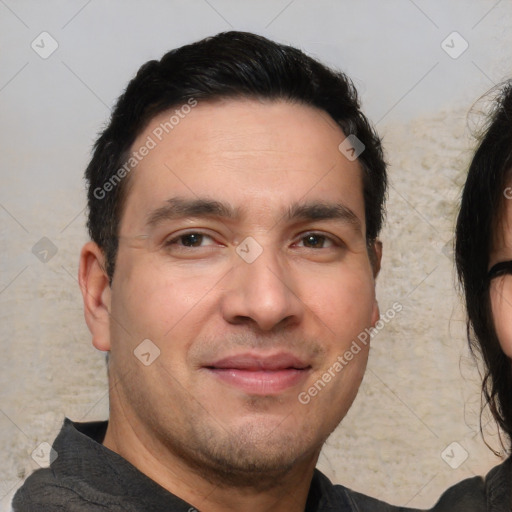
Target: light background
421	391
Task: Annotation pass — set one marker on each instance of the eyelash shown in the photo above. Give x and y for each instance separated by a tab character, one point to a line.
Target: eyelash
175	239
336	243
333	240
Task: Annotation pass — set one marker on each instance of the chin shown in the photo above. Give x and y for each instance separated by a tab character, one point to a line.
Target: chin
256	453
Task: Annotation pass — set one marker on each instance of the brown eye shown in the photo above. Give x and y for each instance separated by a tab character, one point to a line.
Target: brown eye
192	239
316	241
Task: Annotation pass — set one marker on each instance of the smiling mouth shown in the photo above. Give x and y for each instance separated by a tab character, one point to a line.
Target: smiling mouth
258	375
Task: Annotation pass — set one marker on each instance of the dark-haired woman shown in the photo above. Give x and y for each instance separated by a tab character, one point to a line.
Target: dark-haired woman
483	253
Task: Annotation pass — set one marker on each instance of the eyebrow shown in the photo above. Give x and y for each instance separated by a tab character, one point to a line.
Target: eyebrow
177	207
315	211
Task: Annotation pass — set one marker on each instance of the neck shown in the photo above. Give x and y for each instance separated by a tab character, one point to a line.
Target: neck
287	493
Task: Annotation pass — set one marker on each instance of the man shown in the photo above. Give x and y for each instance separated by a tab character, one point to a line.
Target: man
235	201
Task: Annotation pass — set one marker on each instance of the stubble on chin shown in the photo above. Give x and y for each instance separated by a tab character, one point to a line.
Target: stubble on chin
256	455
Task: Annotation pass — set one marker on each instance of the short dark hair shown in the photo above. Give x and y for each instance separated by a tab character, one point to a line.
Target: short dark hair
481	209
228	65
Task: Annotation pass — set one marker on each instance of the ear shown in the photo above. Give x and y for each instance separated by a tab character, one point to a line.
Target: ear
95	287
375	259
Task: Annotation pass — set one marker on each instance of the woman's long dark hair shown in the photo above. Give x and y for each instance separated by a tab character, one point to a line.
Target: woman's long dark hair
482	205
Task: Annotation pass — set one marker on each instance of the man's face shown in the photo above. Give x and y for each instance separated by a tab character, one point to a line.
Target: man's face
243	258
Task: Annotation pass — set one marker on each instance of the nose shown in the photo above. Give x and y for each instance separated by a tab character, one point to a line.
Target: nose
261	293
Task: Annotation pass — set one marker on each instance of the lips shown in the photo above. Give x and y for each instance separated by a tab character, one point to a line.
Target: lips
260	375
253	362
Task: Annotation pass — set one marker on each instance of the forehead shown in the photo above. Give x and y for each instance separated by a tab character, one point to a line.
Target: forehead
247	152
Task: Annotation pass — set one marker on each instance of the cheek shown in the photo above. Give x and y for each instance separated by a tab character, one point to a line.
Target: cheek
502	314
155	300
345	306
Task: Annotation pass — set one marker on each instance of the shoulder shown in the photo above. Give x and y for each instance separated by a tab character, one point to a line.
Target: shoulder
57	487
43	492
466	496
490	494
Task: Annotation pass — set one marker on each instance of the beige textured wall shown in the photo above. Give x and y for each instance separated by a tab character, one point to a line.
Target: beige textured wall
421	391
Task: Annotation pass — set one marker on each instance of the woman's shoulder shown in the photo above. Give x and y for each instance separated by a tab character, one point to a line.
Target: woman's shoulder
490	494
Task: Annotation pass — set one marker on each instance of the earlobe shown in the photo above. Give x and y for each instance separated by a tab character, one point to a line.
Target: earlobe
96	294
